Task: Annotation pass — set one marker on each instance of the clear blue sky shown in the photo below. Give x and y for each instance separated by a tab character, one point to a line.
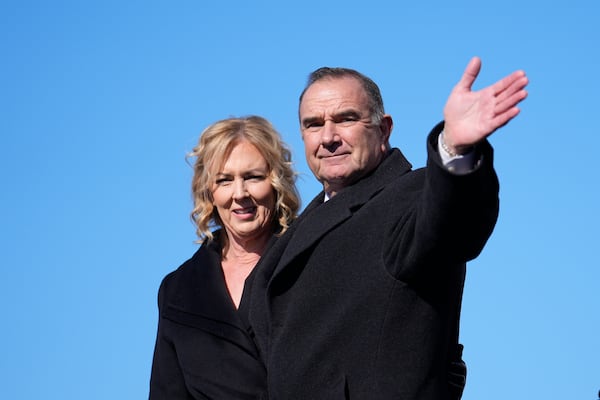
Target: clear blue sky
100	101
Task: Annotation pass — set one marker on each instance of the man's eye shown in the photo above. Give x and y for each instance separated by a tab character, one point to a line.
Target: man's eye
348	120
313	125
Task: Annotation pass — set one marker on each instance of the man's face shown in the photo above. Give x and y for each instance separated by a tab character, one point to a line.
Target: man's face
340	142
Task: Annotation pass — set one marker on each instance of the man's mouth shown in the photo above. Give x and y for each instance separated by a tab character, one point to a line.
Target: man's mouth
326	156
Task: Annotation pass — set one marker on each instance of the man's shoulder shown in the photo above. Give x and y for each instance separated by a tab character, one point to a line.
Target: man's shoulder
396	169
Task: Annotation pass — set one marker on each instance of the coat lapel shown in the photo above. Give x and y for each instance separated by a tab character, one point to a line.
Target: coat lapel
314	223
200	298
281	260
319	218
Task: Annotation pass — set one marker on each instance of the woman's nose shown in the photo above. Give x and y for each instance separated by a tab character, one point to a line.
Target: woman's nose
239	189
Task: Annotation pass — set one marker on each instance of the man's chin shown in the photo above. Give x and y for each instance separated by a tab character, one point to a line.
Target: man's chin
336	183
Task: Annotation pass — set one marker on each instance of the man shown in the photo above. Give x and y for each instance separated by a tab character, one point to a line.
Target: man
361	298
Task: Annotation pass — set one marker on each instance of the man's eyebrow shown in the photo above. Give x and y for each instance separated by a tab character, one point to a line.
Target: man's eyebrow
347	113
309	120
350	112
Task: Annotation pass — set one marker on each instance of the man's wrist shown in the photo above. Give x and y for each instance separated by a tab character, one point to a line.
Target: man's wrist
453	151
458	164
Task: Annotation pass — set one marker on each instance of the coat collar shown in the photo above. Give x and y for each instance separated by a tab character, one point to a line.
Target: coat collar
319	218
201	288
198	296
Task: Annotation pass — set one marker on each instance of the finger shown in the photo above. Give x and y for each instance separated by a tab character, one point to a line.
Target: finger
470	74
510	102
509	81
516	86
504	118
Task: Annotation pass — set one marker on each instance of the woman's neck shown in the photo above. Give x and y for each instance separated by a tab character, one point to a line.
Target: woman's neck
239	259
245	250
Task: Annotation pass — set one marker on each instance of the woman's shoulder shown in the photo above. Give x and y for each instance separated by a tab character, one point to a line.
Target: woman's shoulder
190	271
187	267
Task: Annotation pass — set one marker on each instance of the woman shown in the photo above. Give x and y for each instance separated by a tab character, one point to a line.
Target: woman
243	183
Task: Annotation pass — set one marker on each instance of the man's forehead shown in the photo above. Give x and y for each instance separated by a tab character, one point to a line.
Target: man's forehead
334	95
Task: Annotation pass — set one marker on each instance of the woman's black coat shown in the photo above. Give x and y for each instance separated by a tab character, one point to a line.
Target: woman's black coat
203	349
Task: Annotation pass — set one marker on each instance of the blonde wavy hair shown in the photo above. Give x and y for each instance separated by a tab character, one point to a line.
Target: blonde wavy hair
211	152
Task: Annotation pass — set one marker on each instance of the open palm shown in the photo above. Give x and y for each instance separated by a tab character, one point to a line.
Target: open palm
471	116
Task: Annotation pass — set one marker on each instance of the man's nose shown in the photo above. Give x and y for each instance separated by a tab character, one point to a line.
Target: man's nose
329	133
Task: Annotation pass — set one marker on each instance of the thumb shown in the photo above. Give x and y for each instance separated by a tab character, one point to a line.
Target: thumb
470	74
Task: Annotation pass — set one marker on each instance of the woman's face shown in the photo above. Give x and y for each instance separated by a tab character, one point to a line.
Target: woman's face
243	194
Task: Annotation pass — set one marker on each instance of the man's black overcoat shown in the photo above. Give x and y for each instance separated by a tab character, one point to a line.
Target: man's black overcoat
360	299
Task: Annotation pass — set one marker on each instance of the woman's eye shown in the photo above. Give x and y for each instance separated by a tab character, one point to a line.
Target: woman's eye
222	181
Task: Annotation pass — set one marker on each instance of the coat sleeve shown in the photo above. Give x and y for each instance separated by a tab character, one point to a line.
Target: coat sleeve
450	217
462	209
167	381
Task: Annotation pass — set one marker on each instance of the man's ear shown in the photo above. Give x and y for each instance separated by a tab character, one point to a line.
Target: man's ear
386	126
